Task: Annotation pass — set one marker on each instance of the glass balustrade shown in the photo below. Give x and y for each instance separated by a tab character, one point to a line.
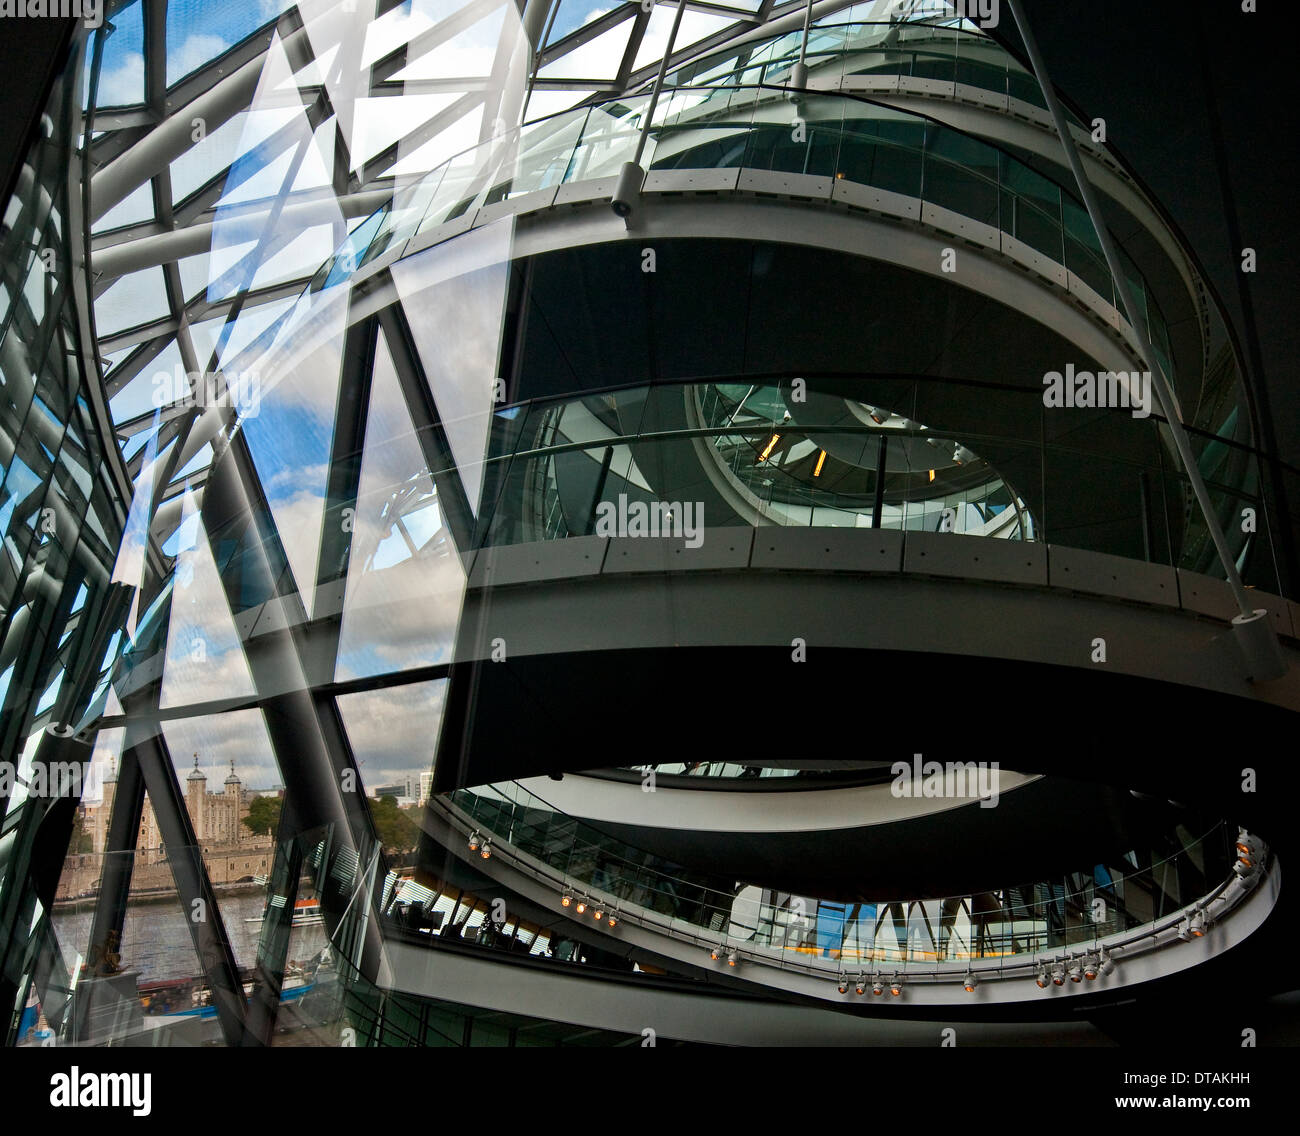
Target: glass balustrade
852	139
1074	910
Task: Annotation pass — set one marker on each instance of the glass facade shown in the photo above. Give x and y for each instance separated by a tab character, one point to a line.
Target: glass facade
375	495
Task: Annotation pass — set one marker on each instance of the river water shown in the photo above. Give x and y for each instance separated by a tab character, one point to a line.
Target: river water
156	936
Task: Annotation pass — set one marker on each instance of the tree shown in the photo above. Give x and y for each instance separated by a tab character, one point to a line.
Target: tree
263	815
394	826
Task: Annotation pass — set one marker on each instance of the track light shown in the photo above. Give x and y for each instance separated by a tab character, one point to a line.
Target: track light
613	919
1058	974
896	986
598	913
961	455
970	982
715	954
486	850
566	900
733	958
879	415
1076	971
581	908
877	986
1185	930
860	987
474	840
1197	925
1043	980
1091	968
844	984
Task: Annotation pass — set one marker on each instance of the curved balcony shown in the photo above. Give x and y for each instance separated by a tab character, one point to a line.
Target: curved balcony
871	155
758	454
837	49
1133	912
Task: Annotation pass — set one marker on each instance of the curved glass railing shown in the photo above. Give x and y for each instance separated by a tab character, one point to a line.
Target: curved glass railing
1074	911
1141	514
838	49
849	138
762	457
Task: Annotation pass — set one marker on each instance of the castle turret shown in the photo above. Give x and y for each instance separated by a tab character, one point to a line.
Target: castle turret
196	793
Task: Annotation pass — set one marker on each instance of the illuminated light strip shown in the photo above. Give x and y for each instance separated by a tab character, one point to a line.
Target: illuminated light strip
820	462
769	448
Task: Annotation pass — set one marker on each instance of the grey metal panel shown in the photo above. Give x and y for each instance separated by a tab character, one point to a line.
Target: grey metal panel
520	203
1108	575
975	558
790	185
1277	608
938	87
690	181
1033	259
541	560
1094	301
436	234
872	83
963	227
878	200
592	189
828	550
719	548
1205	595
966	93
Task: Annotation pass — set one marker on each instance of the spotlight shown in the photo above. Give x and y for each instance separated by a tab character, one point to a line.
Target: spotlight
1197	925
627	191
486	850
474	839
961	455
733	958
715	954
1185	930
879	415
598	913
860	987
581	908
970	982
613	919
896	986
1076	971
566	900
844	984
1043	980
1091	968
1248	853
877	986
1058	974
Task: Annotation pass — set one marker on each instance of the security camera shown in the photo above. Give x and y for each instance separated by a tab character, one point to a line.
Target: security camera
627	190
785	417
